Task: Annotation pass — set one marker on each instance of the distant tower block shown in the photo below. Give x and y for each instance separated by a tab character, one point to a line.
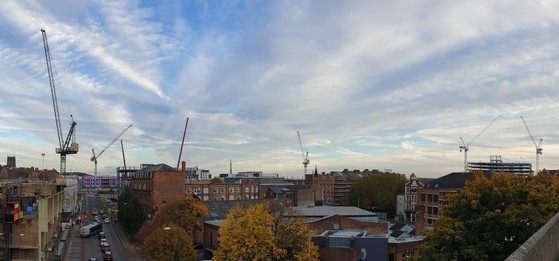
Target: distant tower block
11	162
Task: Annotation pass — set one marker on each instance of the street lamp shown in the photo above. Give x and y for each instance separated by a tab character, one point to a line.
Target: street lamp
178	243
20	244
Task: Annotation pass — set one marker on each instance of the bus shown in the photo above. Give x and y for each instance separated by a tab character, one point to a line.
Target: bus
91	229
94	212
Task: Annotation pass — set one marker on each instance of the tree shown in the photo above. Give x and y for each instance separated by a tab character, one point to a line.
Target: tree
187	214
292	234
169	243
378	191
130	212
490	218
259	233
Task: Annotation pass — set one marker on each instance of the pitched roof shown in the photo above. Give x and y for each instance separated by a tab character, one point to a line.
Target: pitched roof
453	180
157	167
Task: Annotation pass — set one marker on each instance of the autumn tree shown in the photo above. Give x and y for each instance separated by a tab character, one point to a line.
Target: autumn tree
378	191
187	214
490	218
292	235
258	233
169	243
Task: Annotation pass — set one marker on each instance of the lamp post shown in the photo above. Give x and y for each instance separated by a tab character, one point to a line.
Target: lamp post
178	243
20	244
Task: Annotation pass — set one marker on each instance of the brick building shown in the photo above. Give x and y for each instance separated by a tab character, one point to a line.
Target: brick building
334	187
410	196
433	196
155	185
206	190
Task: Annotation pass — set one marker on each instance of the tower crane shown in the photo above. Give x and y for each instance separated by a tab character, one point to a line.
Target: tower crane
94	158
538	146
68	145
465	147
306	160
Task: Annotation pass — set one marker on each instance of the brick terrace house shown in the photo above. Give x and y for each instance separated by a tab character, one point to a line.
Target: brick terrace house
410	196
155	185
433	196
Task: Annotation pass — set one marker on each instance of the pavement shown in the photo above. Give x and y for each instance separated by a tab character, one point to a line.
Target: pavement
134	251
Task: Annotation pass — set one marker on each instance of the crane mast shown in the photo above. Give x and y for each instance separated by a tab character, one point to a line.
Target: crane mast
94	158
68	145
538	146
465	147
306	160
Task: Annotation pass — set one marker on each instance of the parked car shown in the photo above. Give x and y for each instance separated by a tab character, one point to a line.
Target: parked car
108	256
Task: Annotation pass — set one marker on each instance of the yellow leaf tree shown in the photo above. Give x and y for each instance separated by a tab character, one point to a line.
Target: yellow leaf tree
246	235
259	233
169	243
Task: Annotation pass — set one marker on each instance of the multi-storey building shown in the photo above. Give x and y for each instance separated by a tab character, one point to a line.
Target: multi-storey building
433	196
496	164
100	182
206	190
410	196
31	217
155	185
334	187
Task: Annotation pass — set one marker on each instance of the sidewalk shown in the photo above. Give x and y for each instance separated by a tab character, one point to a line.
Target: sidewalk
134	252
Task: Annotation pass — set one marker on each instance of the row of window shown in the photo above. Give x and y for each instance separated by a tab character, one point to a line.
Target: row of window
221	190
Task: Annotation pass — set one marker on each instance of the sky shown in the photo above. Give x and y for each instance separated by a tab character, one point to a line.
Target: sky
387	85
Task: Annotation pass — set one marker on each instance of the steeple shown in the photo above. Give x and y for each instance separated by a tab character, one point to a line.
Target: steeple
315	170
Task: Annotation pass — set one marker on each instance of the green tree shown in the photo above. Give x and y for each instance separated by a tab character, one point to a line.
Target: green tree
378	191
169	243
490	218
130	213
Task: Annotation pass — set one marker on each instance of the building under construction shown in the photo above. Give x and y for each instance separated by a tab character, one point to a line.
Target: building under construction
496	164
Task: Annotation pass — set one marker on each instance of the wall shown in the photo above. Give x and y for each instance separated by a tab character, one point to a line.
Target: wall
540	246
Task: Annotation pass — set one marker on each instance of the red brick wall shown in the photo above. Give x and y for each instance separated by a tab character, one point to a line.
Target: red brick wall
348	223
168	186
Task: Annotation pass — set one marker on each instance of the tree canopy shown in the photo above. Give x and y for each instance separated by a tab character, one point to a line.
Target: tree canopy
130	213
169	243
256	234
187	214
378	191
490	218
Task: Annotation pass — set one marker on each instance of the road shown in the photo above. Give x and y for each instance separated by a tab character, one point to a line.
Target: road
85	248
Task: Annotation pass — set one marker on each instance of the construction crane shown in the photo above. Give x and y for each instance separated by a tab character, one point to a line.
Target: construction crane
305	156
465	147
94	158
68	145
538	146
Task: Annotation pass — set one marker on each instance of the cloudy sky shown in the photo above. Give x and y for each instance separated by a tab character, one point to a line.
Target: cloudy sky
369	84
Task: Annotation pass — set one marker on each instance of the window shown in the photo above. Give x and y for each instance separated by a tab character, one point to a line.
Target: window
215	190
222	190
430	198
336	225
188	191
422	196
247	189
436	198
238	189
206	190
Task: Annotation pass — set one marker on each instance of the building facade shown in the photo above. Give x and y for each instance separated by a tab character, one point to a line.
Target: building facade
156	185
410	197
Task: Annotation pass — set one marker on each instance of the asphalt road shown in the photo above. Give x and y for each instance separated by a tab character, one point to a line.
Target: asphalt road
85	248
